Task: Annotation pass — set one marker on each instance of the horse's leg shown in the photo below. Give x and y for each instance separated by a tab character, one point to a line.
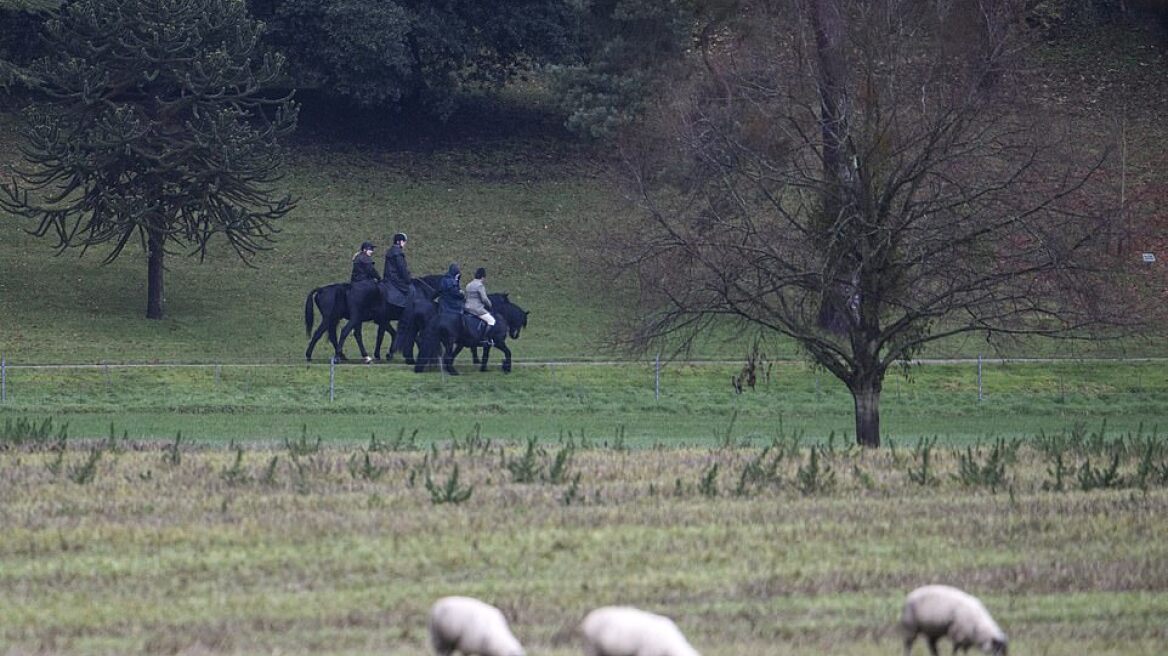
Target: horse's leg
410	343
448	353
486	356
424	353
361	343
392	338
338	354
315	338
501	344
474	353
349	328
380	336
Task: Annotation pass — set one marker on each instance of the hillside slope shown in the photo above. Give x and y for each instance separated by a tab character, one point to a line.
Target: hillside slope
499	186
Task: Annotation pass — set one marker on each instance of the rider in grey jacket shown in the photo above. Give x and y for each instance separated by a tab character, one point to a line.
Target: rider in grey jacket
477	301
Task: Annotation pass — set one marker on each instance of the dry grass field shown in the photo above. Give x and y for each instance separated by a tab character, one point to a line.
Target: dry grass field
123	548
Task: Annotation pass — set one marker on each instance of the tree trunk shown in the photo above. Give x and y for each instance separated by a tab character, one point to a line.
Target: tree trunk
154	308
833	107
867	398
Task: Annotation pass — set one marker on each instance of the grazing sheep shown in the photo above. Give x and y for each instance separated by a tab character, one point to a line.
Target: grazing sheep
470	627
624	631
940	610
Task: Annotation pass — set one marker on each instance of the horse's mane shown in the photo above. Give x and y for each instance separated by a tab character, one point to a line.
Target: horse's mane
429	284
510	311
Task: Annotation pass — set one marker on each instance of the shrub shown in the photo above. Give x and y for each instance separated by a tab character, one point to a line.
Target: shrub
708	485
991	473
815	477
920	472
26	432
449	492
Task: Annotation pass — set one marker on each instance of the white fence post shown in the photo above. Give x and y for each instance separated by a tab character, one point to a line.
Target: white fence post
332	378
657	378
3	379
979	395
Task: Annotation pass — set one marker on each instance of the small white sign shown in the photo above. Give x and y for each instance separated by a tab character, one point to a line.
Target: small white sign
1149	257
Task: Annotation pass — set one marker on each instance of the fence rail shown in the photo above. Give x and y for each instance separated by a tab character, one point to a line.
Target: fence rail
301	377
571	362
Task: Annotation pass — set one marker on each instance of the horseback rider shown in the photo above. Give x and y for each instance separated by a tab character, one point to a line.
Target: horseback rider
450	297
478	303
363	266
397	273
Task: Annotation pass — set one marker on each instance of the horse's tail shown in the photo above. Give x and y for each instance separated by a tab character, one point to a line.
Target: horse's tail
309	314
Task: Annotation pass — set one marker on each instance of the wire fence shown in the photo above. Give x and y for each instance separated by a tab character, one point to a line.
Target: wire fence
971	378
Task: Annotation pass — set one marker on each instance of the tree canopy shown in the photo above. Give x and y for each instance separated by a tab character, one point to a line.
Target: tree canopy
389	52
156	128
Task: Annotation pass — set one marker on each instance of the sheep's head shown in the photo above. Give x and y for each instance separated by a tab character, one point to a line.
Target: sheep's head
995	647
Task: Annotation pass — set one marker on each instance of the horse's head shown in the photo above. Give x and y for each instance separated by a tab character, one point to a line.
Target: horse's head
520	324
516	319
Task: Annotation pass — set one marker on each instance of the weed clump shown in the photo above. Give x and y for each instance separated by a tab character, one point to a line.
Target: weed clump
990	471
921	470
28	433
817	476
761	471
451	491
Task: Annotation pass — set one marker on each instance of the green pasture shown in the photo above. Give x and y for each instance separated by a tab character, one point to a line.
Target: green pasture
286	522
602	402
149	549
501	188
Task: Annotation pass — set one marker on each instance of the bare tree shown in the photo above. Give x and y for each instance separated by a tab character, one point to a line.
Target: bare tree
866	177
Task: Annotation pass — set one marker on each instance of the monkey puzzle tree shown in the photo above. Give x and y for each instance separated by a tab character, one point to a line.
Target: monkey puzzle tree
155	128
863	177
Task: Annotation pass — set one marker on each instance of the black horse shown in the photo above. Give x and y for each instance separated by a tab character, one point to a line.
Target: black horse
448	333
417	315
332	301
516	321
367	303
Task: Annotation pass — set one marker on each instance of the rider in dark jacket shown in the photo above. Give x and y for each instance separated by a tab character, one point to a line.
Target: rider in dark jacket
450	297
396	271
363	267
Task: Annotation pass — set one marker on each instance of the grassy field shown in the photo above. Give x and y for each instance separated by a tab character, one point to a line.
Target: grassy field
501	186
515	197
697	404
144	548
326	531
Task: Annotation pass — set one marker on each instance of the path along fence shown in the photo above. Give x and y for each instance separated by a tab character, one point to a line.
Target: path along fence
972	379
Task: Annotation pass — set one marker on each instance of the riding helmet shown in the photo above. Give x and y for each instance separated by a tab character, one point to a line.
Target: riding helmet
401	236
367	246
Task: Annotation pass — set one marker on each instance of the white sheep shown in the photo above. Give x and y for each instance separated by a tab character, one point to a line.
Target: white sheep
625	631
472	628
935	611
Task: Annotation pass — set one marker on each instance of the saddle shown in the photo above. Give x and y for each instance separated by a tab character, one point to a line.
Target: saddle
475	327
